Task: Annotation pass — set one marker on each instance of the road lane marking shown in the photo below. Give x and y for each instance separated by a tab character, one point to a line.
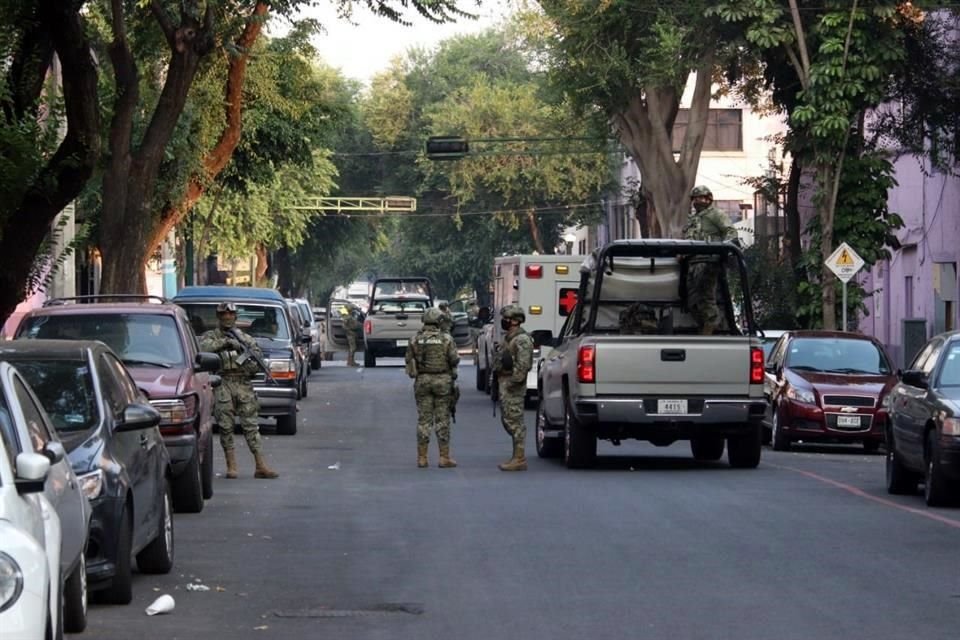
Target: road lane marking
950	522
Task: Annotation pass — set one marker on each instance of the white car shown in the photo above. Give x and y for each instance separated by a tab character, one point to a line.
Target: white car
44	522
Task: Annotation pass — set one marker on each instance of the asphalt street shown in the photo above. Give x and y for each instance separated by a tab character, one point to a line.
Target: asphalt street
354	542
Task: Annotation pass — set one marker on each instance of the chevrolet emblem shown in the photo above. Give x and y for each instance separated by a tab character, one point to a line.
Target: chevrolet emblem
849	409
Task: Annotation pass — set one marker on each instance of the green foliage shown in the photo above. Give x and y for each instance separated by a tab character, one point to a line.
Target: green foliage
772	287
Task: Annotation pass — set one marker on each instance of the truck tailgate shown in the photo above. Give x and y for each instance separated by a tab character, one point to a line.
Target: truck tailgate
672	365
390	327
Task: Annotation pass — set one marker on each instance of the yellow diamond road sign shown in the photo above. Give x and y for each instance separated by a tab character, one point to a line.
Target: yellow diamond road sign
844	262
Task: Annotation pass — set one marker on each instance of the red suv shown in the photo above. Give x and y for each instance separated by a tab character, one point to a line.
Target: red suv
827	386
154	340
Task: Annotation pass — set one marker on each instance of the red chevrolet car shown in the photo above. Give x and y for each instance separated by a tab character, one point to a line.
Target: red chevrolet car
827	386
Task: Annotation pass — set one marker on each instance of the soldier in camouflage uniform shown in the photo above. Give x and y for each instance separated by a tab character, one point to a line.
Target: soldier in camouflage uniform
710	224
638	319
511	363
235	397
431	360
350	326
446	325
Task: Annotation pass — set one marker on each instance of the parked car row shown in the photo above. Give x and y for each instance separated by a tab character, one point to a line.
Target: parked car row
841	387
106	419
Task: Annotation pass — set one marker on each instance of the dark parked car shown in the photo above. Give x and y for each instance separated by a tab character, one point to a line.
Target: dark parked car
263	313
156	343
923	442
114	446
827	386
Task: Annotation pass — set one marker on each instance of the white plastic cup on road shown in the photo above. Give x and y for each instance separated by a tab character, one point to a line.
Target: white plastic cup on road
163	604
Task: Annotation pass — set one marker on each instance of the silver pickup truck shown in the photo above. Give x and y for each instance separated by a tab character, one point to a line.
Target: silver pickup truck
394	316
667	383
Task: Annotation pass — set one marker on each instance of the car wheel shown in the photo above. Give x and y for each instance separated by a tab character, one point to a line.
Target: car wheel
580	446
287	425
481	374
743	451
900	481
188	486
75	598
157	557
778	439
707	448
206	469
369	360
547	447
317	361
936	489
303	388
120	590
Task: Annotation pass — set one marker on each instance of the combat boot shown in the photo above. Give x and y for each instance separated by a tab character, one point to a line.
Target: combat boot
231	456
422	455
446	462
518	462
263	471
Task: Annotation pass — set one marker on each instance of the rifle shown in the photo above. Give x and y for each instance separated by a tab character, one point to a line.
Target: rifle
249	353
454	398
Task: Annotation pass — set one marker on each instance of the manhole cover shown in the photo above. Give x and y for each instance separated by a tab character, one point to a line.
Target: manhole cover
385	609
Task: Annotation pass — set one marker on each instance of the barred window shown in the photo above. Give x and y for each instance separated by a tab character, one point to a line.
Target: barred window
724	130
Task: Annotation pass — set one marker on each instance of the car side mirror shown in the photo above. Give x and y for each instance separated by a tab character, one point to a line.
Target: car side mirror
54	451
139	416
914	378
206	361
543	337
31	472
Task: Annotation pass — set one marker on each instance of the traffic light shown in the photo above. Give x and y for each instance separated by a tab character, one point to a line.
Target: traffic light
447	147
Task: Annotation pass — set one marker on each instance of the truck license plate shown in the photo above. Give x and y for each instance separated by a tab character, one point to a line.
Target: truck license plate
402	343
848	421
671	406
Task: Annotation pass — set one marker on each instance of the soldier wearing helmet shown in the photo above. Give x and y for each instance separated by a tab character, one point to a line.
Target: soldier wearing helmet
512	361
235	397
706	222
431	360
350	326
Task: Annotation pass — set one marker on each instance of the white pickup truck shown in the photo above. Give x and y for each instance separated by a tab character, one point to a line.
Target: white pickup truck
669	383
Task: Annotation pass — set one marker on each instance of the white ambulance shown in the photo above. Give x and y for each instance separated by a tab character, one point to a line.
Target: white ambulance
546	288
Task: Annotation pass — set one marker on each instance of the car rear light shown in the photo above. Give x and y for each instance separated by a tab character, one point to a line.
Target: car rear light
282	369
368	327
586	370
178	411
534	271
756	365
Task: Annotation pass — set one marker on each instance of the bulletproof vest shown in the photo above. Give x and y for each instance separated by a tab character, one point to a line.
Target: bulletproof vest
430	348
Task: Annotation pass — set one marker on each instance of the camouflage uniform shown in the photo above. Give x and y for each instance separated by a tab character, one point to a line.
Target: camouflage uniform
638	318
235	397
703	275
350	326
512	382
446	326
431	359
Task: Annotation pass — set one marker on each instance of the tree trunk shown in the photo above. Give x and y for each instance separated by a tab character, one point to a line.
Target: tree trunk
70	167
828	290
792	212
645	128
129	181
284	270
218	158
535	232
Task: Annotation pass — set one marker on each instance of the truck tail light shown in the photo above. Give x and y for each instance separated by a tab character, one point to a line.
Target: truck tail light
534	270
756	365
586	371
367	327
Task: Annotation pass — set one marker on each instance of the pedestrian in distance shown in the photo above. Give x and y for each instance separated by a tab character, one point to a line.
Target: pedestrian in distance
350	326
431	360
706	222
235	397
512	361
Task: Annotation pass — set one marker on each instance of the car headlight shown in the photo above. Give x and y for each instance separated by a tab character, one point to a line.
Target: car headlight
91	484
951	427
282	369
11	581
804	396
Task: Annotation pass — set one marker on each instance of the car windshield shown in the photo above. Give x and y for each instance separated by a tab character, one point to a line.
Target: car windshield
65	389
140	339
950	373
260	321
837	355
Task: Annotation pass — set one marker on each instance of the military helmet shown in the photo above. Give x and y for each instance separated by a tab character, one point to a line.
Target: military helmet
432	316
513	312
226	307
701	190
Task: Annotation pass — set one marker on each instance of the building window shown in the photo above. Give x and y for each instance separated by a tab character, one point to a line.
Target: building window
724	130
